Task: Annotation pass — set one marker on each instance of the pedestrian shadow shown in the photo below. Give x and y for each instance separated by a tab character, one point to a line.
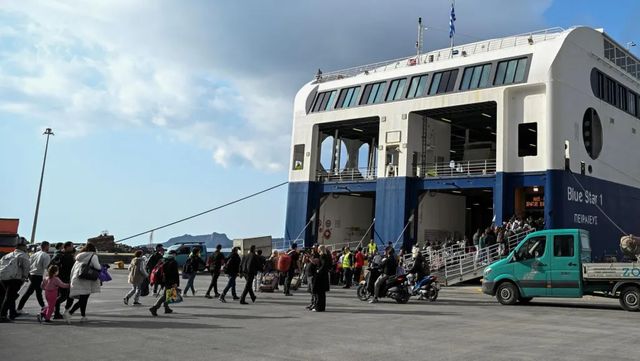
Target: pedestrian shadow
243	317
286	303
373	311
149	324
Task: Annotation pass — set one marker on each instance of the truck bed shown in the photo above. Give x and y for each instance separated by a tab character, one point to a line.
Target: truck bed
610	271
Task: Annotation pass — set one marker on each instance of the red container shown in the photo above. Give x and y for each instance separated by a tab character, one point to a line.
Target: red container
9	225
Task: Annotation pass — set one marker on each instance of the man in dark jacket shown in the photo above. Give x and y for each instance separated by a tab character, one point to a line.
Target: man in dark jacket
170	279
215	263
65	261
232	268
153	262
389	269
321	280
250	264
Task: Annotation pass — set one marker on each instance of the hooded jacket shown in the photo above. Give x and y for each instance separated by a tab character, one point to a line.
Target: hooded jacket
81	286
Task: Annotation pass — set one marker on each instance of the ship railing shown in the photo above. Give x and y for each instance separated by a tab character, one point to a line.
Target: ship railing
445	54
348	175
465	168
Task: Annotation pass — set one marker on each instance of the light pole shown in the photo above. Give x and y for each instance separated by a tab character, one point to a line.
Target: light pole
47	132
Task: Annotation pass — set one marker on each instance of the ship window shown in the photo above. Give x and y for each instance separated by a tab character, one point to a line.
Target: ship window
298	157
417	86
527	139
324	101
592	133
348	97
373	93
443	82
511	71
396	89
475	77
631	103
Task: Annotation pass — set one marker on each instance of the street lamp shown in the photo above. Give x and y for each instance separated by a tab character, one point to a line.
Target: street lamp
47	132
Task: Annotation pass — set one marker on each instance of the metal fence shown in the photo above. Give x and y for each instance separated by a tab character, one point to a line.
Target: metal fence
464	168
445	54
348	175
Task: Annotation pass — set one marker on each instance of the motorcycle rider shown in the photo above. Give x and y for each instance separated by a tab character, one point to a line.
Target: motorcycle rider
389	267
419	264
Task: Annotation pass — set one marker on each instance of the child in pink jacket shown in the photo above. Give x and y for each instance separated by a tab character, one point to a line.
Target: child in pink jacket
50	286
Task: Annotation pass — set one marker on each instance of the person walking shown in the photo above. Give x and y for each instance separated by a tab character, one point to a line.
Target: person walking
358	265
170	280
191	268
81	288
250	265
232	268
293	266
215	261
153	262
257	281
347	266
14	271
64	261
272	267
137	275
321	280
50	285
39	262
311	270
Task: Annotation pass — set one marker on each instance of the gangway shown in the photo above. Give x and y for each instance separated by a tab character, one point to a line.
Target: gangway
471	265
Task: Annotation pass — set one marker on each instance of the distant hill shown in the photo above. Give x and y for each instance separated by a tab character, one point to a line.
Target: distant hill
210	240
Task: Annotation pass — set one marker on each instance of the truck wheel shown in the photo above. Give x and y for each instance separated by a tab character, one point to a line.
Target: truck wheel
630	299
507	293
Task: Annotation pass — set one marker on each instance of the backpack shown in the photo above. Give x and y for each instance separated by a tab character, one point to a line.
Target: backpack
157	274
9	268
188	266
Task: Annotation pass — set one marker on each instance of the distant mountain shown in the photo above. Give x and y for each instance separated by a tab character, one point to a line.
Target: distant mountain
210	240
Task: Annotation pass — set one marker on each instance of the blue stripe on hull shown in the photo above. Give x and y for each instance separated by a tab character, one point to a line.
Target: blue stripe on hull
567	205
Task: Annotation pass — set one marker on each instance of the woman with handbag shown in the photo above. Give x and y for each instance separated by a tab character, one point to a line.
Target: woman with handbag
84	280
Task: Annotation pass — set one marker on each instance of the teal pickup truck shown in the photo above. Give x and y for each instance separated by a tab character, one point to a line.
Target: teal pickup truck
557	263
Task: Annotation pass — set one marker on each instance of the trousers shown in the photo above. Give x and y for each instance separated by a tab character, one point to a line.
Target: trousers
35	285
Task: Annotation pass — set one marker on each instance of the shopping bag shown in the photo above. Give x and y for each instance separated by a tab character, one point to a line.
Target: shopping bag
185	275
144	288
173	295
104	275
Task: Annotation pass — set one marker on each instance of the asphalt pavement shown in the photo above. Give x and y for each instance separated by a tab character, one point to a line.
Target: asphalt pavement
463	324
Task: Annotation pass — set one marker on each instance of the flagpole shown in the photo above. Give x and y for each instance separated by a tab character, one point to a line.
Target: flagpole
452	25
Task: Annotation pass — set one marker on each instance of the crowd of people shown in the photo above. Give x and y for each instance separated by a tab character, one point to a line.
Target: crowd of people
70	277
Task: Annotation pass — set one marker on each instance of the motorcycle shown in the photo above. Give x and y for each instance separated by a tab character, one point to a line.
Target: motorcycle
396	287
426	288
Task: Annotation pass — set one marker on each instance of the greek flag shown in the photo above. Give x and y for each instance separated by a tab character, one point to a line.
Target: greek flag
452	25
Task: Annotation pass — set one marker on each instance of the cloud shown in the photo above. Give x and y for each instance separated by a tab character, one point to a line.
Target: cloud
217	74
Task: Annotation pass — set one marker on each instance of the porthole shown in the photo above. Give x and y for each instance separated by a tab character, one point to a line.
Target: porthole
592	133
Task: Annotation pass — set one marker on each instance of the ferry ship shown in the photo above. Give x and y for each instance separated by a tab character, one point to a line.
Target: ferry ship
437	145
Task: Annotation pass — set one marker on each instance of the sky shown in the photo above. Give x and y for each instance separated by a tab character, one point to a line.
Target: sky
163	109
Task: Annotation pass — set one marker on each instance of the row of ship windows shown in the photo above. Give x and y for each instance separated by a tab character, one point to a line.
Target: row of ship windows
474	77
614	93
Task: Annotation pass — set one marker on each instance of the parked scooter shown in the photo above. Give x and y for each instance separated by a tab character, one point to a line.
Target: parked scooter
426	288
396	288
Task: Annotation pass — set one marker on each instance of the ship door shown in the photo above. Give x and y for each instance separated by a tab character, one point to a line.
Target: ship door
529	202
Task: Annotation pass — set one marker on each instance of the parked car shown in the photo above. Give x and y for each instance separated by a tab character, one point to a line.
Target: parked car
184	249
